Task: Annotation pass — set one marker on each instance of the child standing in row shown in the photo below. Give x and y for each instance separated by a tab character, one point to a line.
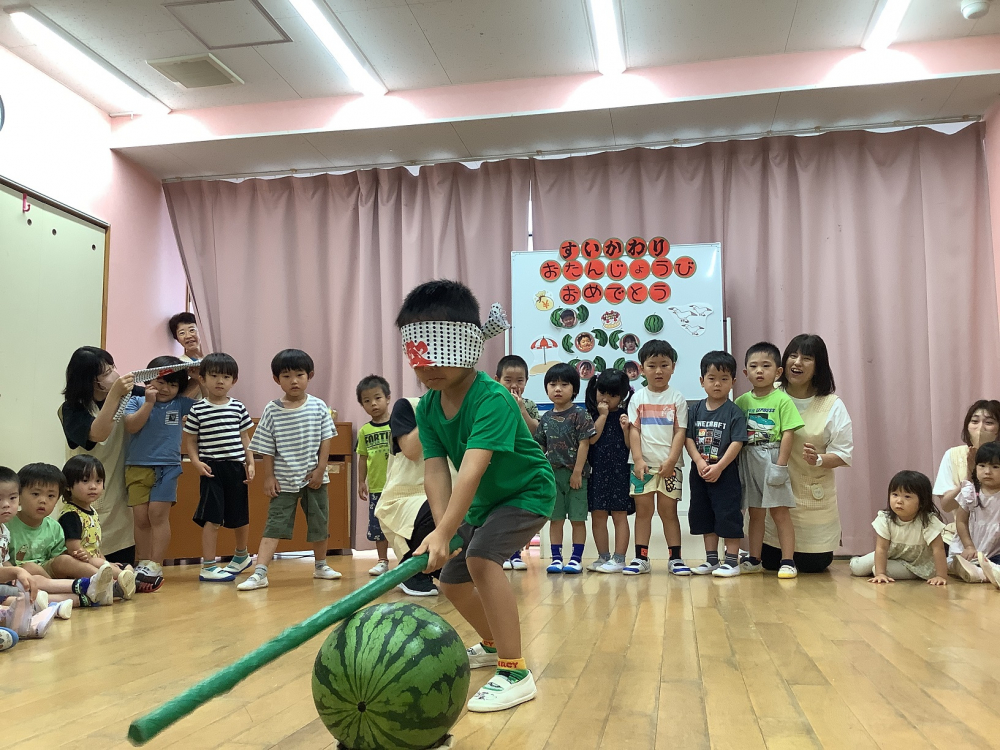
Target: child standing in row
217	440
512	374
717	430
564	435
909	543
294	434
153	466
658	415
374	443
771	419
608	487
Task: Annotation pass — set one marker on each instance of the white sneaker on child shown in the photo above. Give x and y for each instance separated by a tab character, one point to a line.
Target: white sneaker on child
500	693
327	573
381	567
990	570
612	566
480	657
748	567
638	566
678	567
253	582
508	565
596	565
726	571
126	580
705	569
519	564
967	571
102	586
64	609
238	566
41	601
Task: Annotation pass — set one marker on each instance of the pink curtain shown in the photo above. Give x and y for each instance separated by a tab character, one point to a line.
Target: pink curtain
880	243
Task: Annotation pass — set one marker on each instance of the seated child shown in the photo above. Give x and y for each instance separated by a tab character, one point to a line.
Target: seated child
153	465
717	430
374	439
512	374
80	522
505	488
217	440
909	543
35	542
294	434
564	435
980	534
771	423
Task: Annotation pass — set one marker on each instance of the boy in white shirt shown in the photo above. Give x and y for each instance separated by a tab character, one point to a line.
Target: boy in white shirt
659	415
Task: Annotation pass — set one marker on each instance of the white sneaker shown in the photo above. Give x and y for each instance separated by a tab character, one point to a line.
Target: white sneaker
596	565
236	568
329	574
126	580
41	601
967	571
572	567
678	567
508	565
785	572
612	566
381	567
479	657
216	575
556	566
990	570
64	609
102	586
254	581
638	566
705	569
748	567
519	564
726	571
500	694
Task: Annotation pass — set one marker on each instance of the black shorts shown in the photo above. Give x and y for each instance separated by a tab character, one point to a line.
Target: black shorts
717	507
224	499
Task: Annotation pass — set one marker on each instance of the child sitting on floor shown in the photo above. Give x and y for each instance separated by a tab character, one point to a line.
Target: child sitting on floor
980	535
909	543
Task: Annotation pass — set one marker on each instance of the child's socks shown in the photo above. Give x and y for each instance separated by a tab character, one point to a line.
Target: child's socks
489	646
732	559
557	552
577	552
514	670
642	551
712	557
618	558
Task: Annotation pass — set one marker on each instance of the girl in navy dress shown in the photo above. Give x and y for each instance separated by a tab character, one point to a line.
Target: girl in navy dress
608	490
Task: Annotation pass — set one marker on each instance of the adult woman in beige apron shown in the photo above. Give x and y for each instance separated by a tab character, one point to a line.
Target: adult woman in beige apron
93	392
825	443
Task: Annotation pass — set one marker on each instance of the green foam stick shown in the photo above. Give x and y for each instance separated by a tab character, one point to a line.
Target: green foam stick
143	729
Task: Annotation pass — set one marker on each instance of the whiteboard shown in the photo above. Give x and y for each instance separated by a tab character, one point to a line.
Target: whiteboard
52	303
628	292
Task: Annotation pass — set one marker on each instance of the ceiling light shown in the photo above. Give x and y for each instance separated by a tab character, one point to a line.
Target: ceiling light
886	25
604	15
335	38
87	67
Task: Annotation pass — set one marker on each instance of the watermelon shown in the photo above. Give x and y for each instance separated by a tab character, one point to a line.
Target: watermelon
555	317
654	324
599	364
393	676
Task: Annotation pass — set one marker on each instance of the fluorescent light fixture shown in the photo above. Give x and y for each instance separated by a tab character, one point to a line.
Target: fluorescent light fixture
335	38
883	32
84	65
604	15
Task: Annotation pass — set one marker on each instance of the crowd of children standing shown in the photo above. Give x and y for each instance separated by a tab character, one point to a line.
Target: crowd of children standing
619	454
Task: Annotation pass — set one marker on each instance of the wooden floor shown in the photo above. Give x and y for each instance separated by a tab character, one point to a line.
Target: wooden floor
648	662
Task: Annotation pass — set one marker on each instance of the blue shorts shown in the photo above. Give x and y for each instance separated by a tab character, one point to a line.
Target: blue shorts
151	484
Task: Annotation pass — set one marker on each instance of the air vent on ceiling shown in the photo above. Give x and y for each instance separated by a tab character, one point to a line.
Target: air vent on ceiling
195	71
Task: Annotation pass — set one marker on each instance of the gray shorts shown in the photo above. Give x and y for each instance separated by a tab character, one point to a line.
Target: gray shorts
765	484
506	530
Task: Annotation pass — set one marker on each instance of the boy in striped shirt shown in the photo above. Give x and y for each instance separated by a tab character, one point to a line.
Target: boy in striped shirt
294	434
217	440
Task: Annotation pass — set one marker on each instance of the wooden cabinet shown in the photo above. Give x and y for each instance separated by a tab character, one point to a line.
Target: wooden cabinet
185	542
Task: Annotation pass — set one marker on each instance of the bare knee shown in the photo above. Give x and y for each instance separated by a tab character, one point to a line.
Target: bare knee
667	508
35	570
644	506
455	591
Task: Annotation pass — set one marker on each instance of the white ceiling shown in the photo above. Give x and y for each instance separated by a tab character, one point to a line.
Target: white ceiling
746	116
418	44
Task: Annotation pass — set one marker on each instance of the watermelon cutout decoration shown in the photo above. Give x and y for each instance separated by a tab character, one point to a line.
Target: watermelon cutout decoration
393	676
654	324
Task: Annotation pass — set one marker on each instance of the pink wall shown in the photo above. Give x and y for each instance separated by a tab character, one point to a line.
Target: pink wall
56	143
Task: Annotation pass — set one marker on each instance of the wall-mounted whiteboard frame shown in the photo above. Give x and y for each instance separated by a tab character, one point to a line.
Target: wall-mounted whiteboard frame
55	272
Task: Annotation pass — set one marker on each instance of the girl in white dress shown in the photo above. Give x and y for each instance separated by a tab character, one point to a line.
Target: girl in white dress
909	543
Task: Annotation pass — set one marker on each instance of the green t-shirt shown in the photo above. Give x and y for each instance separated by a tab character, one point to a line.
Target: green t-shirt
768	417
35	545
490	419
374	442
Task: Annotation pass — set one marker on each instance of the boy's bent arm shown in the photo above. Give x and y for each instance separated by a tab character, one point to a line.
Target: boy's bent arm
730	455
785	449
137	420
437	485
474	465
635	444
409	445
